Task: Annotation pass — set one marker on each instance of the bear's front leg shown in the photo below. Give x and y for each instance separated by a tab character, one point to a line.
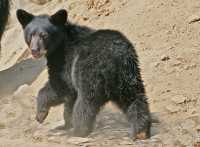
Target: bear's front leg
46	98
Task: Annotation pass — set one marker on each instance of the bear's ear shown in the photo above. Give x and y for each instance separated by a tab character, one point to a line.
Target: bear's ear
59	18
24	17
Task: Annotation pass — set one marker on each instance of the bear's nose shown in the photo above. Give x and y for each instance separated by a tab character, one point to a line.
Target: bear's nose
35	53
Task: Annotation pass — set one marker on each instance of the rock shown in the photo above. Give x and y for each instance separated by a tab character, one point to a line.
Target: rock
78	140
193	19
156	64
187	67
193	98
177	63
164	58
179	99
172	108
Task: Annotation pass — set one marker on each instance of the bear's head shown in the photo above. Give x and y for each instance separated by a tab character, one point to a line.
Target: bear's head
43	33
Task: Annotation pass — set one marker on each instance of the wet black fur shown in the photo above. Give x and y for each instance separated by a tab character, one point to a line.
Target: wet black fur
106	69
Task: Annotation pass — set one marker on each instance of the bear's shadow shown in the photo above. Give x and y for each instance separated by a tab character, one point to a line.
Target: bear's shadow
21	73
109	123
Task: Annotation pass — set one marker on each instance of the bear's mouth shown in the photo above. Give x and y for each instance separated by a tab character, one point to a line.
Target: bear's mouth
41	116
36	54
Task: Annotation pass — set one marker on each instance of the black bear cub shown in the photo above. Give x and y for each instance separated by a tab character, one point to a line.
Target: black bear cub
86	69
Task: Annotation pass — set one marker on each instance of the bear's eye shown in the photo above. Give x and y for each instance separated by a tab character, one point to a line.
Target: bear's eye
44	35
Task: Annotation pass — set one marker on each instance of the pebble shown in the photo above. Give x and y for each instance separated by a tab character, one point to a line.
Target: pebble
179	99
164	58
156	64
193	19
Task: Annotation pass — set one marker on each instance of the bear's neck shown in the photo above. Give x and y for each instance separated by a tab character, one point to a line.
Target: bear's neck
56	60
57	66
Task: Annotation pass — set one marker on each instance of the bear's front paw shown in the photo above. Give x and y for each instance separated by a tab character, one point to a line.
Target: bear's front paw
41	116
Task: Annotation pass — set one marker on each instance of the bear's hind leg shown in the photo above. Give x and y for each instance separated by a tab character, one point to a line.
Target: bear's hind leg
137	112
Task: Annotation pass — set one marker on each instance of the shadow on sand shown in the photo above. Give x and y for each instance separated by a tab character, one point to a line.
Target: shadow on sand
21	73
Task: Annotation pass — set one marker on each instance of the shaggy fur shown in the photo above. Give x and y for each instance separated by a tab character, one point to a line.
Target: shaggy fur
86	70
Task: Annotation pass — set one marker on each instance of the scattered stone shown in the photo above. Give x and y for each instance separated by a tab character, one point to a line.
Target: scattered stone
172	108
193	19
194	98
156	64
78	140
165	58
187	67
179	99
177	63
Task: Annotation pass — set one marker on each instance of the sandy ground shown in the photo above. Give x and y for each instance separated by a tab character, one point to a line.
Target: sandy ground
166	35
